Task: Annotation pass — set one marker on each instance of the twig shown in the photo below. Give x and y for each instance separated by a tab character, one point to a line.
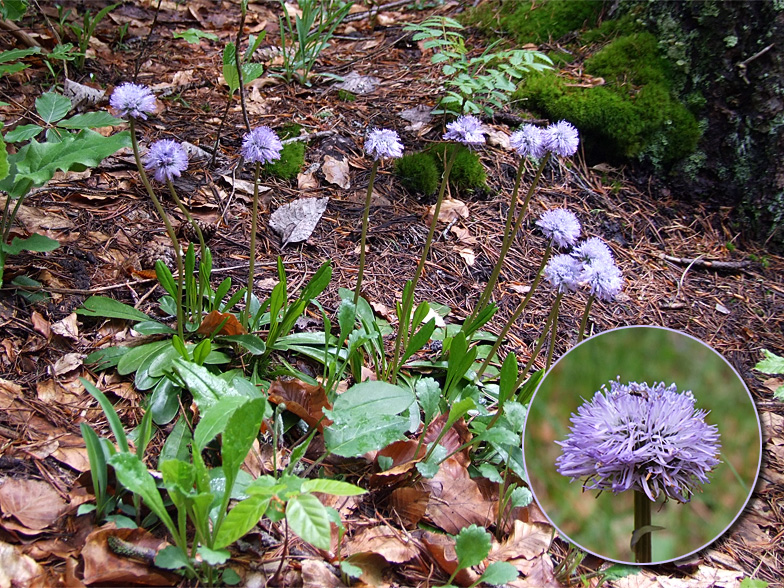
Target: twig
138	65
707	264
376	9
22	37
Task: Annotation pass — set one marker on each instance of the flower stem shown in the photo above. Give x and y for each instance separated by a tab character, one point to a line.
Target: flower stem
540	342
363	239
169	229
553	331
405	316
252	262
517	312
584	320
509	235
642	519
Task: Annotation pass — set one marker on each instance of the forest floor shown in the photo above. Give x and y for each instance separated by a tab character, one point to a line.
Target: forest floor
662	242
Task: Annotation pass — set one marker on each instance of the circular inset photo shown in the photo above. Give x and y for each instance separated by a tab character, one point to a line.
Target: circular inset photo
642	445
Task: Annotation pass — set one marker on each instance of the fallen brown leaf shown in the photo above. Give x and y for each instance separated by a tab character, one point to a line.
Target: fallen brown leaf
212	321
304	400
525	546
19	570
409	504
442	549
391	544
316	574
336	171
455	500
35	504
457	436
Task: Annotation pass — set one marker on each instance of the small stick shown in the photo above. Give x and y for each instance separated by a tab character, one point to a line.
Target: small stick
707	264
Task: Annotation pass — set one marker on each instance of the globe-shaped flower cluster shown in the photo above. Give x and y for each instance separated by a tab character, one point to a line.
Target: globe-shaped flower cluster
639	437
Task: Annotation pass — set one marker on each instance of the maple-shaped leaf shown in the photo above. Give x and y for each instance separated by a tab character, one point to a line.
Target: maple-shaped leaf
304	400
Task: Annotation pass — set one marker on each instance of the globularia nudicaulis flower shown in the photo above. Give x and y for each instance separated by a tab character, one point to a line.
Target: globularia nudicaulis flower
640	437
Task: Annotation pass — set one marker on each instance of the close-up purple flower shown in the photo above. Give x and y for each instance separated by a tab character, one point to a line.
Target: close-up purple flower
467	130
561	138
592	250
603	278
528	141
167	159
133	100
561	226
639	437
382	143
563	272
261	145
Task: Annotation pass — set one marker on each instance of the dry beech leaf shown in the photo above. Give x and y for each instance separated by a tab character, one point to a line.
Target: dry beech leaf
33	503
82	96
102	565
409	504
455	499
68	327
540	575
307	181
295	222
463	235
498	139
41	325
468	255
457	436
404	455
304	400
418	116
68	363
442	548
316	574
358	84
211	322
451	210
389	543
17	569
527	543
336	171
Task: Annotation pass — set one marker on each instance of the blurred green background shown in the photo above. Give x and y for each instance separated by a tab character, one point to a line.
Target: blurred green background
603	524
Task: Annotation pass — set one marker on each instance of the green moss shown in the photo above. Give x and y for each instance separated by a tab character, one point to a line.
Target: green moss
535	22
346	96
631	59
421	172
292	158
418	172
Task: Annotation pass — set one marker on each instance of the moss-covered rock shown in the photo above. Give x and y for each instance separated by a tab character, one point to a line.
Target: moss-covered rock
292	158
421	172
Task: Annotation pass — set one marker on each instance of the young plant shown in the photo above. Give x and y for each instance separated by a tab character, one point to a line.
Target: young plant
34	164
85	30
472	546
304	38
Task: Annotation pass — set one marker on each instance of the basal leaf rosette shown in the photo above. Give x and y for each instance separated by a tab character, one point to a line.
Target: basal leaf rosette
639	437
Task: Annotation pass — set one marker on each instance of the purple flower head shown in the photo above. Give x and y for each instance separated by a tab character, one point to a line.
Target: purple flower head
528	141
261	145
640	437
603	278
383	143
560	225
167	159
467	130
563	272
133	100
561	138
592	250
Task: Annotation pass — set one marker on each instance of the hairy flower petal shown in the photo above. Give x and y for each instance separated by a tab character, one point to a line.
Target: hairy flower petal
560	225
133	100
261	145
528	141
562	138
603	278
563	272
383	143
467	130
640	437
167	159
592	250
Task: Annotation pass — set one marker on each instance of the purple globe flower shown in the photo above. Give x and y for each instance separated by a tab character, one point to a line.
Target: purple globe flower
603	278
167	159
640	437
592	250
561	138
561	226
261	145
133	100
563	272
467	130
383	143
528	142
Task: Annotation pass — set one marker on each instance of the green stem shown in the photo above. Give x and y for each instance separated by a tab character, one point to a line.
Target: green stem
169	229
365	219
517	312
642	518
584	320
405	318
509	235
539	343
553	331
252	262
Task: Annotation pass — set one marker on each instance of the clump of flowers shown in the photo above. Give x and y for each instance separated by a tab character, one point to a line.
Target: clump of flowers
639	437
260	146
380	144
560	226
600	274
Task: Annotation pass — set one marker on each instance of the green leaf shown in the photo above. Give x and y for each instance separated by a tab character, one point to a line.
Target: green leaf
110	308
751	583
472	546
3	158
164	402
428	393
214	557
153	328
14	54
95	455
350	569
214	419
206	388
171	558
165	278
490	472
195	35
771	364
429	467
52	107
133	474
230	75
241	519
521	497
251	71
34	242
508	378
364	433
244	426
618	571
252	343
114	421
133	359
176	444
308	518
334	487
23	133
499	573
230	577
638	534
372	398
90	120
